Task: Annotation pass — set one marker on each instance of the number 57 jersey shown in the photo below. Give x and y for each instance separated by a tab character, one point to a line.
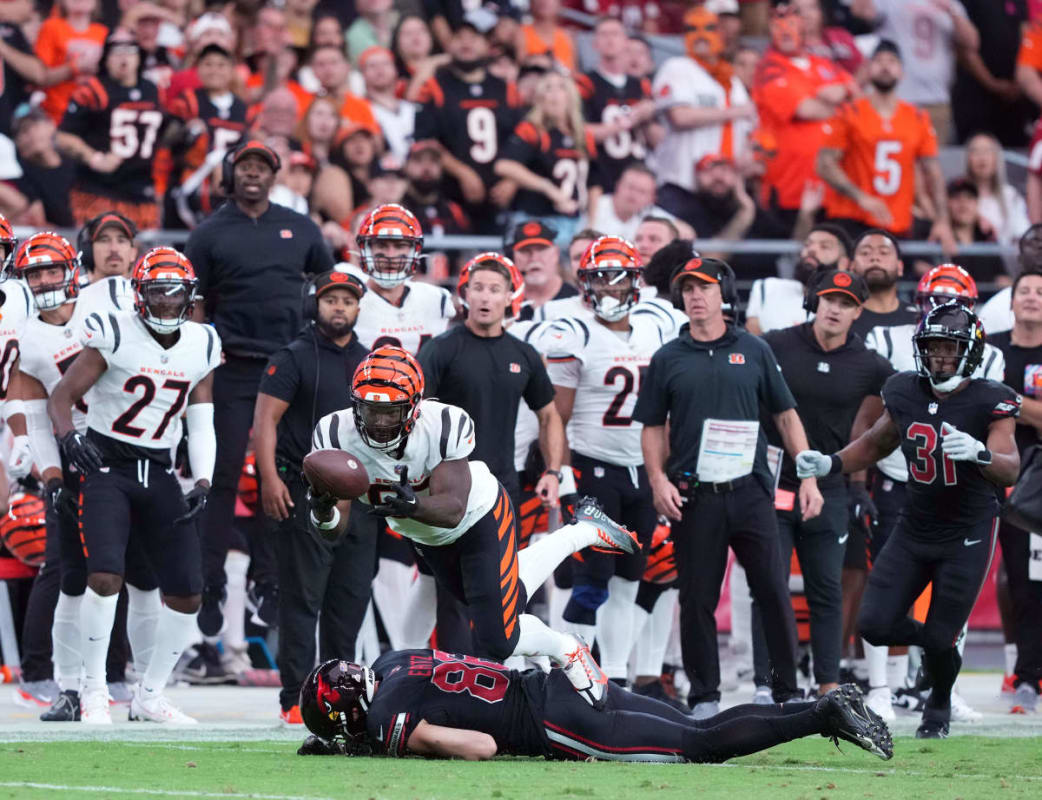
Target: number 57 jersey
138	399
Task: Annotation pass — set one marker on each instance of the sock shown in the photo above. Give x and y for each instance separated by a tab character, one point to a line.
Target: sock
392	584
559	599
897	670
174	632
876	660
654	639
236	564
66	642
142	617
538	561
743	735
97	614
587	632
1010	653
536	639
420	611
367	643
615	626
859	668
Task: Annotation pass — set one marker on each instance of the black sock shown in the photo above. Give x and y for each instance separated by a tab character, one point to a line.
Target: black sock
943	666
748	734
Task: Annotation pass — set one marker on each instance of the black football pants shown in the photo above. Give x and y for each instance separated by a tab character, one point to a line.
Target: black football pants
1027	602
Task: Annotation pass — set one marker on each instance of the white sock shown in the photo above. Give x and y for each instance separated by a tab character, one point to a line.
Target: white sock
641	620
1009	651
367	643
897	670
420	613
558	602
615	625
587	632
960	643
174	632
876	659
538	561
97	614
536	639
142	617
514	662
654	639
236	565
859	668
66	641
392	584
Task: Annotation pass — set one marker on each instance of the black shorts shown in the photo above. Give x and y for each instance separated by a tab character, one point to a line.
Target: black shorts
480	569
137	502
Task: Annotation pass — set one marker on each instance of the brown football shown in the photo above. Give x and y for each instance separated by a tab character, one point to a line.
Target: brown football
336	472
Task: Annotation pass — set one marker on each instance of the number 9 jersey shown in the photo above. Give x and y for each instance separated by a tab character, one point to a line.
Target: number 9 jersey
138	399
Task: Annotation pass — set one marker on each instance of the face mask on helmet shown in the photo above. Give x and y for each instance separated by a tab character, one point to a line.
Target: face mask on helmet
52	285
610	293
928	302
164	305
390	261
948	346
941	360
382	425
335	700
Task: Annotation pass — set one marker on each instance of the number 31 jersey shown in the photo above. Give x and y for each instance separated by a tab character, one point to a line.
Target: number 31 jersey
945	497
139	398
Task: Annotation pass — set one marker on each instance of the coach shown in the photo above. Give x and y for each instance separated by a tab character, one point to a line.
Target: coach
833	377
709	384
250	257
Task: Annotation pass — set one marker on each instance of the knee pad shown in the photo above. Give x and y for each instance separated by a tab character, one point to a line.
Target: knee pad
583	605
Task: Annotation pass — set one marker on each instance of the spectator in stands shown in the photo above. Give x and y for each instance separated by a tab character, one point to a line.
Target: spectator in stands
746	64
986	78
1029	62
327	30
928	34
278	118
706	109
729	24
621	212
318	129
577	247
69	38
387	184
373	28
333	73
413	48
210	28
294	182
652	235
964	210
424	196
825	40
299	22
640	61
20	66
396	117
47	175
158	61
270	58
1001	205
796	92
533	249
545	35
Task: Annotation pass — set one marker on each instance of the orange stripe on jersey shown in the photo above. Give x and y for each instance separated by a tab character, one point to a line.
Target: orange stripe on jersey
585	86
431	92
528	133
513	95
1030	53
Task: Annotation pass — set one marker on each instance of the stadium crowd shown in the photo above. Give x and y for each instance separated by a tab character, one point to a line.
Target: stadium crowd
302	150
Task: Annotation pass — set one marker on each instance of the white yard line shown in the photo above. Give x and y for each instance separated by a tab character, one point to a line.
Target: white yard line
888	771
155	792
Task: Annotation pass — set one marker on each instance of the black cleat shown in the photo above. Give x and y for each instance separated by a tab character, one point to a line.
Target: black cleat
848	718
656	691
211	613
934	724
262	601
65	708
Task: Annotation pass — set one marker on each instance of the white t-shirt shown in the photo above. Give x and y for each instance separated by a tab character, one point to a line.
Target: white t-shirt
777	303
397	126
607	221
1012	224
996	315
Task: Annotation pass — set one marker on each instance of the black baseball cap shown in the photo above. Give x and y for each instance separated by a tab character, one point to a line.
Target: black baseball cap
334	279
887	46
837	282
534	231
962	185
258	148
710	270
213	47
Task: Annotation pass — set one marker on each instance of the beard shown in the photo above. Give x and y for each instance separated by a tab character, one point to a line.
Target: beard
334	329
426	187
877	279
883	85
807	268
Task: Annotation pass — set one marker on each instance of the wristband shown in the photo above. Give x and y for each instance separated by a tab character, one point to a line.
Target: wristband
554	472
327	526
837	465
984	457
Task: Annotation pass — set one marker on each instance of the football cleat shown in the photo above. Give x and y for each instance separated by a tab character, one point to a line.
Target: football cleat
200	665
120	693
262	601
705	709
291	716
1009	684
881	702
314	746
910	699
35	694
156	708
94	707
611	536
1025	699
656	691
66	708
848	718
934	724
763	696
962	711
211	613
585	675
236	660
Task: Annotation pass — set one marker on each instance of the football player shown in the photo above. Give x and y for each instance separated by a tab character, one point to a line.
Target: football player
436	704
458	516
143	368
956	434
16	306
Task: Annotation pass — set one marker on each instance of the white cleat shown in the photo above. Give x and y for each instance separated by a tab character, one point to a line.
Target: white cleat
585	675
156	708
961	710
94	707
881	702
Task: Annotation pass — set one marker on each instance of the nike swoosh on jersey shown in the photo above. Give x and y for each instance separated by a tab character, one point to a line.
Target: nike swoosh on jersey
970	543
843	538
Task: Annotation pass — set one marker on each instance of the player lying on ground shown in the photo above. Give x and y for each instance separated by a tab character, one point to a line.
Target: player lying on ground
430	703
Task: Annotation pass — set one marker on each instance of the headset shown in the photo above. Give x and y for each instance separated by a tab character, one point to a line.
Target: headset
811	298
309	300
228	164
85	238
728	288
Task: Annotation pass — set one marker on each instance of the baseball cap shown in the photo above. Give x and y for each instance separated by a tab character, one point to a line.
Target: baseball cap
258	148
335	279
711	160
301	159
481	19
719	7
211	48
962	185
533	232
111	220
210	21
711	270
836	282
423	145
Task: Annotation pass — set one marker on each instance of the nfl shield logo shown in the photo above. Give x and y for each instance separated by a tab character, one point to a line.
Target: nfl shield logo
598	472
932	408
515	367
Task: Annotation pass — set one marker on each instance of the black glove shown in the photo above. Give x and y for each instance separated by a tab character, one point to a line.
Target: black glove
196	500
81	453
861	505
61	499
321	504
403	503
314	746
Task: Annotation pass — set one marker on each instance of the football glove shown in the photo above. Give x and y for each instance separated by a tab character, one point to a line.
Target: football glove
960	446
60	499
20	462
81	453
861	504
320	504
812	464
196	500
314	746
403	503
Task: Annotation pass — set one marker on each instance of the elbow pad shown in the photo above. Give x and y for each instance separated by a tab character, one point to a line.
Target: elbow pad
41	435
202	442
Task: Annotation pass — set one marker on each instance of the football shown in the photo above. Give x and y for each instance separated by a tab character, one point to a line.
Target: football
336	472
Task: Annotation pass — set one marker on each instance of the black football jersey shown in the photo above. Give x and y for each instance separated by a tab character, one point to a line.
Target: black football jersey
126	121
472	120
604	102
224	124
453	691
554	155
945	497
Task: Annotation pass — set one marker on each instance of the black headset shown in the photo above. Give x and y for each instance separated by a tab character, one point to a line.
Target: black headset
228	165
728	287
85	238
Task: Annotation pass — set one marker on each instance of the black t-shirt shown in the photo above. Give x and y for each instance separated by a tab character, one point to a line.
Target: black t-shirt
50	185
553	155
604	102
454	691
829	387
1024	376
224	124
904	314
487	377
13	91
313	375
730	378
945	497
251	272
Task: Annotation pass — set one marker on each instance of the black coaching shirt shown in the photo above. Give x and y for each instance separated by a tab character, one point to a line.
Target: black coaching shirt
1024	376
313	375
487	377
829	387
729	378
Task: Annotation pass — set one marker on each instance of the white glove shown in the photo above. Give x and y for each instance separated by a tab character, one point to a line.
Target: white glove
20	462
812	464
959	445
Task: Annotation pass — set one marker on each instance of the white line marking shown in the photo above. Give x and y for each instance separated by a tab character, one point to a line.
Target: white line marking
155	792
890	772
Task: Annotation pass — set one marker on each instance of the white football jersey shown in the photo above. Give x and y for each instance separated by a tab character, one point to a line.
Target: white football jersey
442	433
894	343
108	294
574	307
18	306
424	313
605	368
140	398
777	303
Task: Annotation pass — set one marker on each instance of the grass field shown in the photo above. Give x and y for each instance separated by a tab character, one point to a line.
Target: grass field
961	767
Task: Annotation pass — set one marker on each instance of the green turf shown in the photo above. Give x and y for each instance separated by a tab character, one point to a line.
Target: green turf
963	767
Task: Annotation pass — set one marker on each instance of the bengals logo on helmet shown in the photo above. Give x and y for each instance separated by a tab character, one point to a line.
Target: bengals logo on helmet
387	265
501	264
604	269
943	284
24	528
164	285
8	244
386	389
48	251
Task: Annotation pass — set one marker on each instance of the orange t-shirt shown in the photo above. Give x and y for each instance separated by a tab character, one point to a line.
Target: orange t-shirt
358	110
562	49
1030	53
879	157
56	43
302	95
781	85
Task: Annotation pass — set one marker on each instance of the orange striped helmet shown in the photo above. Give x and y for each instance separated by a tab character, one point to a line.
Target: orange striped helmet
24	528
164	289
503	265
386	389
390	222
944	284
46	251
662	563
8	245
605	267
